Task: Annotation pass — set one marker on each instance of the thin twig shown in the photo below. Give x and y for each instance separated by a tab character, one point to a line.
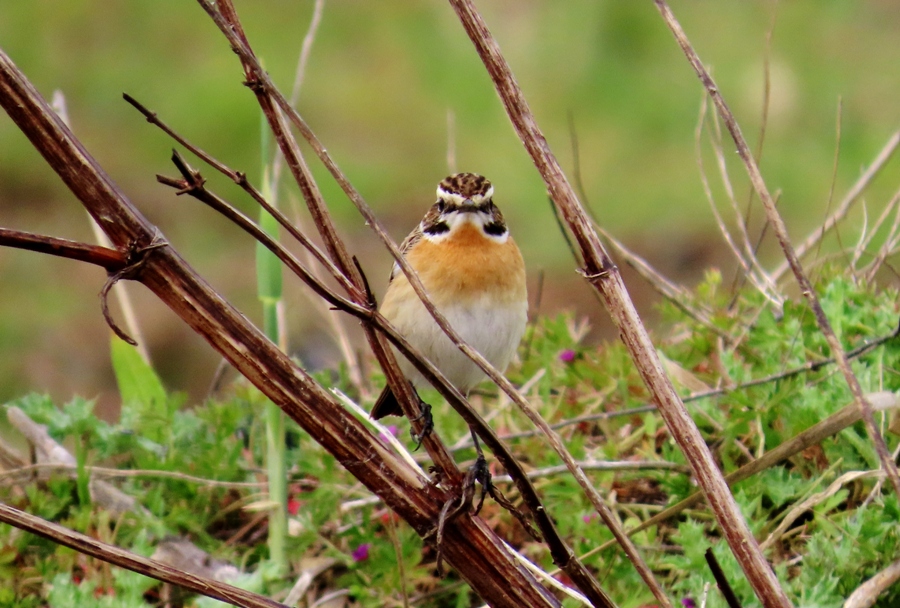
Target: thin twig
299	76
112	260
604	465
832	425
722	165
852	195
747	260
132	561
834	171
241	180
721	581
777	223
676	294
559	549
867	233
471	547
604	277
107	473
890	240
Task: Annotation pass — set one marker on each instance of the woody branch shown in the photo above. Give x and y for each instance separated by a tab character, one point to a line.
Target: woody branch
604	277
274	103
469	545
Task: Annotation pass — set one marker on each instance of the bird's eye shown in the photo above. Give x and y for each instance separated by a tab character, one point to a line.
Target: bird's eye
440	206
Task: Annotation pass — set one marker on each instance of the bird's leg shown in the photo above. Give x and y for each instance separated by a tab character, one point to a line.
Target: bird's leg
450	511
427	422
479	472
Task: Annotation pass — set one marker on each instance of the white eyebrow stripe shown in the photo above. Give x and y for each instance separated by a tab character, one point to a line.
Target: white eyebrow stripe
455	198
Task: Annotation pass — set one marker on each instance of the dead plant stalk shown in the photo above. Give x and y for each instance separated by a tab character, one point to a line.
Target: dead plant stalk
470	546
226	19
778	226
603	275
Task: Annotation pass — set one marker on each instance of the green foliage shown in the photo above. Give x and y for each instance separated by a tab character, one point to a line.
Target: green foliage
846	535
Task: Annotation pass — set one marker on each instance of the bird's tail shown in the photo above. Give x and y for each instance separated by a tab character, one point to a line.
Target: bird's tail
386	405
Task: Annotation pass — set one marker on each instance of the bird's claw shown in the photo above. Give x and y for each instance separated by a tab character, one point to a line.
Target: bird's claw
427	424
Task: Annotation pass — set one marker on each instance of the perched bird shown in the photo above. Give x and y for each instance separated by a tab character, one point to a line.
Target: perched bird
473	272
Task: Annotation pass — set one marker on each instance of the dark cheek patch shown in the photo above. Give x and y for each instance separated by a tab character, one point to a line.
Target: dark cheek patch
495	229
437	228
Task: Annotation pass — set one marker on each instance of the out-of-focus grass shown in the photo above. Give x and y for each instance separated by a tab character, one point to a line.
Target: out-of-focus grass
380	83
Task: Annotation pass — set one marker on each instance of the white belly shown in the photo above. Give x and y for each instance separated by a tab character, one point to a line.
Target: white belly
494	330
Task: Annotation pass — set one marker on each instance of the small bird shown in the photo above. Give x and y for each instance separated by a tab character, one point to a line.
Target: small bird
473	272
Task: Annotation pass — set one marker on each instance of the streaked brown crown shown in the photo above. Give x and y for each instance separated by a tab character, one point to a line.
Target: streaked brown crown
466	193
466	185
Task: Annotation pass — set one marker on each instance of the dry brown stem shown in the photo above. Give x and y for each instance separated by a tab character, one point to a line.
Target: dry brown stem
602	274
867	594
778	226
814	435
132	561
471	547
262	85
109	259
846	203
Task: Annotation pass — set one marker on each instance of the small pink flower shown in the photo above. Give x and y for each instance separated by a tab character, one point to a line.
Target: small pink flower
392	429
567	356
361	553
293	506
688	603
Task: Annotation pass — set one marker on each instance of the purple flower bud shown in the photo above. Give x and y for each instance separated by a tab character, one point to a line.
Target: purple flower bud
688	603
361	553
567	356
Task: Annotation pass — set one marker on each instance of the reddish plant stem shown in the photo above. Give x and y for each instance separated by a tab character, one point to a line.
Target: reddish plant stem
781	233
562	554
110	259
224	11
131	561
469	545
603	275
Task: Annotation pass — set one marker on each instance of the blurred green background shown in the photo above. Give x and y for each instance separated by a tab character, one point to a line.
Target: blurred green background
382	79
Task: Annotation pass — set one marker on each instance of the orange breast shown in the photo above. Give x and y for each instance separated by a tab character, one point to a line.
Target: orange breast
469	265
